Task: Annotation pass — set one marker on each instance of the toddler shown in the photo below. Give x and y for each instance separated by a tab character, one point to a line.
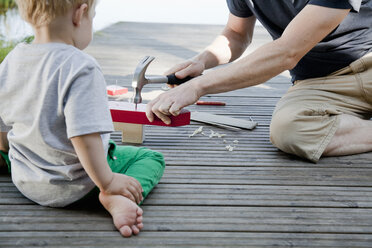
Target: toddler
55	121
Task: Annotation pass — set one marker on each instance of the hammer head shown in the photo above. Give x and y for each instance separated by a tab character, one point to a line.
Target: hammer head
139	79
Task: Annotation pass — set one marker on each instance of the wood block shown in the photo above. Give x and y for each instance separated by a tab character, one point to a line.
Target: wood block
114	90
126	112
224	120
131	133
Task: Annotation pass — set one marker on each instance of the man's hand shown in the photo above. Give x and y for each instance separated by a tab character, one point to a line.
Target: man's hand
188	68
172	101
126	186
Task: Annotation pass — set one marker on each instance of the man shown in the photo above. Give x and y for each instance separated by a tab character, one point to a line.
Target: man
326	45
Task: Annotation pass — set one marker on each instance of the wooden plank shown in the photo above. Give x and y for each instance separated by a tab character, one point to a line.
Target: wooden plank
114	90
184	239
130	113
245	195
255	175
268	176
211	118
262	196
130	133
200	219
193	211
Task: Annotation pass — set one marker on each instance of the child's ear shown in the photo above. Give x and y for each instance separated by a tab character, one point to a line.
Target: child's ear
79	13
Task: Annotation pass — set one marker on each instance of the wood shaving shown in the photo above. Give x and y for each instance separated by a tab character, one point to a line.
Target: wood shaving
229	148
197	131
215	134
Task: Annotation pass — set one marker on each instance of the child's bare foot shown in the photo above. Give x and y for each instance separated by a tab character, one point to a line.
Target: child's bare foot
127	216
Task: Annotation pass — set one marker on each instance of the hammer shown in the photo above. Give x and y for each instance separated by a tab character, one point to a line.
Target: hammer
140	79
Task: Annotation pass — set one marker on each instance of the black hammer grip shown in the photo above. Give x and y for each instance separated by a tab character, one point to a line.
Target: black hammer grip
172	79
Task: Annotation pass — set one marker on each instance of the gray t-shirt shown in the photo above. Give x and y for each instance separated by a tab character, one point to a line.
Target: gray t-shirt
348	42
50	93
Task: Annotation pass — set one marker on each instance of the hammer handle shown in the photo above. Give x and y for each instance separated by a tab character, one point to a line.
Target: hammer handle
172	79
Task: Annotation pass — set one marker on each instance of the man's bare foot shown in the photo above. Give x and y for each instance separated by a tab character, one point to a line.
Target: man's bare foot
127	216
353	136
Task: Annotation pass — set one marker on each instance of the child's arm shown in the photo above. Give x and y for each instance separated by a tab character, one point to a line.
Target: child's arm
4	145
90	151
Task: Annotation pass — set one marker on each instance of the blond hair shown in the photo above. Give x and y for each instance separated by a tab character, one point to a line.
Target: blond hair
42	12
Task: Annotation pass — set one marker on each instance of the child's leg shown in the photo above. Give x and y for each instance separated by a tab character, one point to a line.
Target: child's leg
4	162
4	148
144	165
3	165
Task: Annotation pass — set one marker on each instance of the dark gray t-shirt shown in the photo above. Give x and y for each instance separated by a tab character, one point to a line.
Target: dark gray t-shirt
348	42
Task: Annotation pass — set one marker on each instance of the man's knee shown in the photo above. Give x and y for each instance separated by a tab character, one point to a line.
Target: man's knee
302	130
284	130
293	127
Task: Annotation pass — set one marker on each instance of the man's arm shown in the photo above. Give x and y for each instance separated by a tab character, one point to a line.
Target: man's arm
227	47
233	41
90	151
4	145
307	29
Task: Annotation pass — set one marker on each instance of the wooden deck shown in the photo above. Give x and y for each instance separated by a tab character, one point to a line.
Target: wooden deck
254	196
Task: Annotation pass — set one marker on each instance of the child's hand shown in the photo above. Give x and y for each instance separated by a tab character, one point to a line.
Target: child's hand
126	186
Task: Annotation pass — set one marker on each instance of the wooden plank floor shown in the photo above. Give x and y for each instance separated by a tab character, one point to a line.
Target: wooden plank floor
254	196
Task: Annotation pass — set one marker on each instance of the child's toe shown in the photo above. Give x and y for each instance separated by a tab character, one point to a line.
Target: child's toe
135	230
139	211
140	226
126	231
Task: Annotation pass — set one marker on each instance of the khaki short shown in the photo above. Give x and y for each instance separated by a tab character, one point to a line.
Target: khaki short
307	116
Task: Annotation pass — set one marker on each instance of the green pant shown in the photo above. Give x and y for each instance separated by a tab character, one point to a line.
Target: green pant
6	159
143	164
